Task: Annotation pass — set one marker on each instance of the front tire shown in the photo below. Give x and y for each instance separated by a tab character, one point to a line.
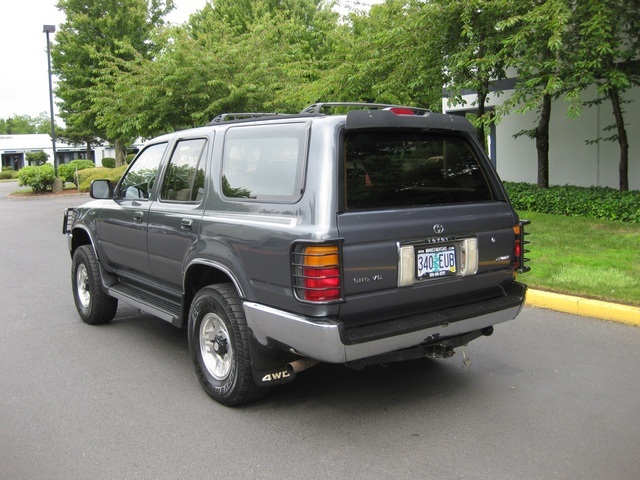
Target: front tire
219	346
94	306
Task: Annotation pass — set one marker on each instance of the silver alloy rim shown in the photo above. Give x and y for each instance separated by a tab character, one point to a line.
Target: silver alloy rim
215	346
82	285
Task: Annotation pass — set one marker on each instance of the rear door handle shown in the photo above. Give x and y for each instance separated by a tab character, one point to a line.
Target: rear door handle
138	216
186	224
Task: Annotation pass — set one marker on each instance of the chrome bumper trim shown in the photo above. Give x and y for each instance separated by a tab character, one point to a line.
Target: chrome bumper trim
320	338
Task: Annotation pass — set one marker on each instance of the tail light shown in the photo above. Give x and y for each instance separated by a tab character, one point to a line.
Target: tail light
316	272
519	249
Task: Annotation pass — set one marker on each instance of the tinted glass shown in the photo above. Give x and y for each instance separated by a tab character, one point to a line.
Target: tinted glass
401	169
264	162
141	176
184	179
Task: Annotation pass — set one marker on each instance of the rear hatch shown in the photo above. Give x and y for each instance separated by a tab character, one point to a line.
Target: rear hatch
425	222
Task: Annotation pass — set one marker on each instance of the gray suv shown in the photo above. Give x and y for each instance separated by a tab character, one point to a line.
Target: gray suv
375	235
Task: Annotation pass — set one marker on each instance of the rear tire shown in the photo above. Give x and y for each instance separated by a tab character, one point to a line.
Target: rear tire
219	346
94	306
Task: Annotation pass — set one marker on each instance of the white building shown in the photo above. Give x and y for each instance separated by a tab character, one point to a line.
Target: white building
571	160
13	150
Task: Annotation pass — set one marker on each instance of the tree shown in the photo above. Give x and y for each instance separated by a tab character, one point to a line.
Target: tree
24	124
231	56
535	47
606	40
472	51
389	54
37	158
96	31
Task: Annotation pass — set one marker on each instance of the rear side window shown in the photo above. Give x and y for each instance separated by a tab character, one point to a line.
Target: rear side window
403	169
264	162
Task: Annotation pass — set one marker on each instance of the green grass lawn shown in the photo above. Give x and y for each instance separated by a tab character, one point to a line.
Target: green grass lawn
578	256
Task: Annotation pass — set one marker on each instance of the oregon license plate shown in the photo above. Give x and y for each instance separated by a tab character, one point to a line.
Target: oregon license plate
433	262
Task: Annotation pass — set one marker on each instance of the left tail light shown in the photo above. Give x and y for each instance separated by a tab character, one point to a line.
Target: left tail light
317	273
519	248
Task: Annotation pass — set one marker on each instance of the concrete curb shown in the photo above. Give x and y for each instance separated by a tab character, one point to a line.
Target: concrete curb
585	307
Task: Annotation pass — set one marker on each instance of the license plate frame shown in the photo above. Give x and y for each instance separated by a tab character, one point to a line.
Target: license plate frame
436	261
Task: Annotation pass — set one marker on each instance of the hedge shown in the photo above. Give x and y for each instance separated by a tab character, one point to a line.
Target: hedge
590	202
85	177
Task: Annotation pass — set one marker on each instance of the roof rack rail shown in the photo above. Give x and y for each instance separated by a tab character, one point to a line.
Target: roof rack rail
317	108
226	117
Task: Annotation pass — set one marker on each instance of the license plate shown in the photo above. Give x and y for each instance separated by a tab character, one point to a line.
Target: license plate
434	262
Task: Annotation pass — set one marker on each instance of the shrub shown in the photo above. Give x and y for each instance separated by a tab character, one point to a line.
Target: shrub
67	171
38	178
590	202
130	156
6	175
7	169
109	162
85	177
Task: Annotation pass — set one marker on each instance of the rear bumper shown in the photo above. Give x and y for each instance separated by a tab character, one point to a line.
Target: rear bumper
326	340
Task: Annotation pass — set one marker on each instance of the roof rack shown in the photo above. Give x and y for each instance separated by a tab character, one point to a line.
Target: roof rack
317	108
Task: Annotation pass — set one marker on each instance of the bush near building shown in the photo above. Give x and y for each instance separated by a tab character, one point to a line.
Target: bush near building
588	202
67	171
39	178
85	177
109	162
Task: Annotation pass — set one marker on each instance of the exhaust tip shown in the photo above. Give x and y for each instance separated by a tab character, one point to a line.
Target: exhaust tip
298	366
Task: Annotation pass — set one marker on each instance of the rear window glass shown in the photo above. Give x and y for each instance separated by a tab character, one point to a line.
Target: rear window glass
264	162
403	169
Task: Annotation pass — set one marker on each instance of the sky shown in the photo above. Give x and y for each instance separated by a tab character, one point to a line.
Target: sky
24	79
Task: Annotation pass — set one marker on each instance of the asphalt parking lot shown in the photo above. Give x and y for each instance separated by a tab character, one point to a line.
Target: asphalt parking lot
548	396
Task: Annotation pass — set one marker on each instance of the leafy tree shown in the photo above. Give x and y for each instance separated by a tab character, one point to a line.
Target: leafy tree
389	55
535	46
37	158
605	43
25	124
472	51
231	56
96	31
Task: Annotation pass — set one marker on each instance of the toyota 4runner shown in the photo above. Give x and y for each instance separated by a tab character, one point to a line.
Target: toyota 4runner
279	241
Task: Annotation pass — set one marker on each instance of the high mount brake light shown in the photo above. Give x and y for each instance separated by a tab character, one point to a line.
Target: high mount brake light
401	111
317	273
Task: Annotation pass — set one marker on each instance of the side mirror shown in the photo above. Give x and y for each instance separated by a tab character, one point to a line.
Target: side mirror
101	189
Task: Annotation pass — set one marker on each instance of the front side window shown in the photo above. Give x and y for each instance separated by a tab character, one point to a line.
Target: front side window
264	162
184	178
141	176
403	169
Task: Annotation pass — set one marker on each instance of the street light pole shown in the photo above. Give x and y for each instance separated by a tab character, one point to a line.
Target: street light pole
51	29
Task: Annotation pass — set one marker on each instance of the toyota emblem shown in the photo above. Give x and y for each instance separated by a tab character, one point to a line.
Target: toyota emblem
438	229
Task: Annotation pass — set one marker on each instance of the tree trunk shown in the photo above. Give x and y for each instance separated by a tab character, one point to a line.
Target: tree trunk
120	153
623	141
542	142
482	98
90	155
